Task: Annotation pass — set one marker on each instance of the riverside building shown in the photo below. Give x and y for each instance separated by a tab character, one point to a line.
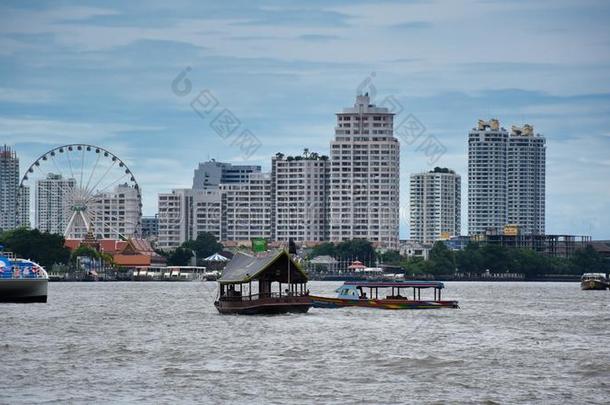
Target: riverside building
9	183
487	177
299	197
526	180
364	177
506	179
211	174
435	205
246	209
51	213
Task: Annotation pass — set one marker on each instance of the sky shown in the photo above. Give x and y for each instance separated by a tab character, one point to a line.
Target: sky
126	77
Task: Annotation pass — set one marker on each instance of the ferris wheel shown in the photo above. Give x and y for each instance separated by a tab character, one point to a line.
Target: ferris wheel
79	189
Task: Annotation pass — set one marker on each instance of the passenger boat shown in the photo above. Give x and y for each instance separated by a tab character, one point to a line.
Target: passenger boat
248	282
22	280
354	294
594	281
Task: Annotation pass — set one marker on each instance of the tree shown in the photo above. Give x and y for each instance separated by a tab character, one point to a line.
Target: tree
390	257
84	251
326	248
205	245
44	248
180	257
588	260
442	260
356	249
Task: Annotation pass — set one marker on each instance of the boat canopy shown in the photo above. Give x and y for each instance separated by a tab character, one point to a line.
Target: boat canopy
396	284
244	268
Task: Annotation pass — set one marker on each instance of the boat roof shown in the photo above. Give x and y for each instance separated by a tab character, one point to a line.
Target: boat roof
244	268
399	284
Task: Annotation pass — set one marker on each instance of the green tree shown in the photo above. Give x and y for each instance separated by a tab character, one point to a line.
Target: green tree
356	249
44	248
442	259
84	251
326	248
179	257
205	245
588	260
390	257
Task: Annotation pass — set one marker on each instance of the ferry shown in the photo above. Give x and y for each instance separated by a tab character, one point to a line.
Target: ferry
354	294
594	281
22	280
268	283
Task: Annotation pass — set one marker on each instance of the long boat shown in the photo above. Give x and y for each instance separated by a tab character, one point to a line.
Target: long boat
268	283
354	294
22	281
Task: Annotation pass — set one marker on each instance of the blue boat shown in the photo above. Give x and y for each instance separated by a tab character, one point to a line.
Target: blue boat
22	280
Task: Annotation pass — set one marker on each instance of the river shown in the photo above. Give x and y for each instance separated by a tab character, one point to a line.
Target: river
157	342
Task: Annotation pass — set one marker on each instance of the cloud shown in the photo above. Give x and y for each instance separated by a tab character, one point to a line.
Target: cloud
25	96
412	25
47	131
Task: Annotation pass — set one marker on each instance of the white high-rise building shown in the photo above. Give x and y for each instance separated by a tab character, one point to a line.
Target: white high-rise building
299	197
51	213
435	205
175	218
246	208
209	175
506	179
487	178
116	214
526	180
207	212
9	184
364	178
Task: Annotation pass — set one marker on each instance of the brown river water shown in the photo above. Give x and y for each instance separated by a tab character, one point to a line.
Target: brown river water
165	343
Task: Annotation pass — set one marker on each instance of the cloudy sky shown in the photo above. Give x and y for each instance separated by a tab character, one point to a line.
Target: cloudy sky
102	73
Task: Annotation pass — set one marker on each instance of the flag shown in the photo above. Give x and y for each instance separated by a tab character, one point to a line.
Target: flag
259	244
292	247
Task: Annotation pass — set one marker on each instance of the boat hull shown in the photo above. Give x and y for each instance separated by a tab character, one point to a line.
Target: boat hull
270	306
327	302
23	290
593	285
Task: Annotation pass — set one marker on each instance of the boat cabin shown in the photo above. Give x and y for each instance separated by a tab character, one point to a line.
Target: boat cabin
393	295
265	284
399	290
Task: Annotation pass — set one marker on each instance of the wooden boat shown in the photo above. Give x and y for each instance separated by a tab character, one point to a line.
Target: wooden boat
353	294
246	285
594	281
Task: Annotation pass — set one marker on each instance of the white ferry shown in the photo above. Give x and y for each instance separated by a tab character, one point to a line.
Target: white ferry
22	280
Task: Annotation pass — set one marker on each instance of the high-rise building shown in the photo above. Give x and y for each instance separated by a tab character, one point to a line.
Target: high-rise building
246	208
150	227
487	178
364	178
23	212
207	213
116	214
526	180
175	218
51	213
506	179
210	174
299	197
435	205
9	184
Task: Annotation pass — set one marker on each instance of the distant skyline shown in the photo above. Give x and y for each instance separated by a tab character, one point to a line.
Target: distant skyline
102	74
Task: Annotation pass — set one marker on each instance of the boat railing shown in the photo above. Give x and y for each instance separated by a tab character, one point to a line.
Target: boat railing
260	296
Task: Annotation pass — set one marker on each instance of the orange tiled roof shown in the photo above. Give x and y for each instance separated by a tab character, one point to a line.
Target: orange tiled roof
131	260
